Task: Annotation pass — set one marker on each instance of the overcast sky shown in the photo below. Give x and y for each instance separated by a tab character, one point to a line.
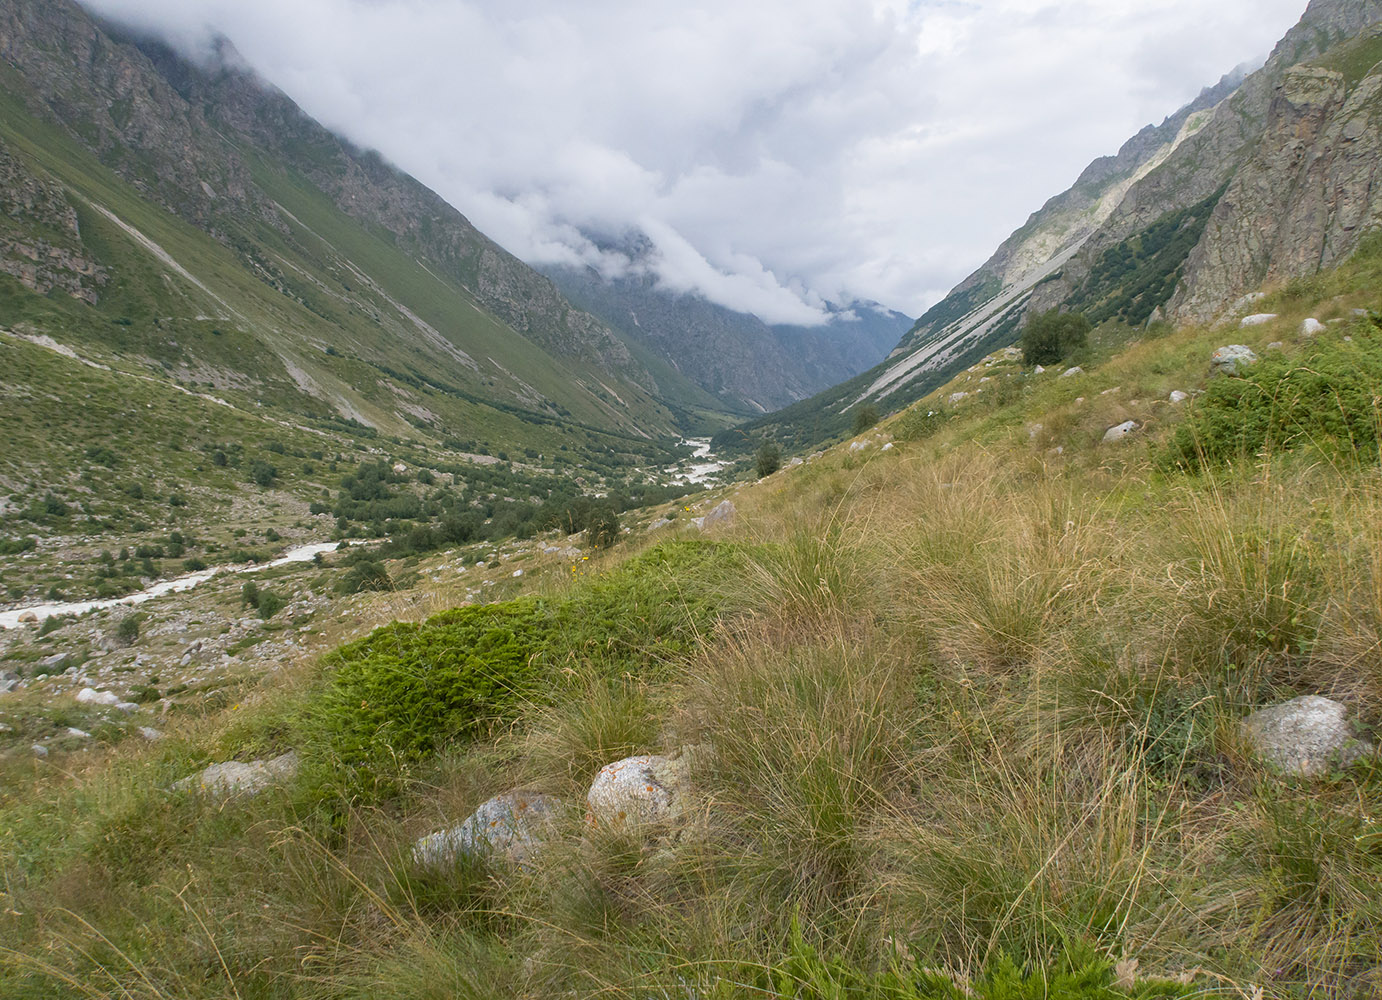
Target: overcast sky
779	153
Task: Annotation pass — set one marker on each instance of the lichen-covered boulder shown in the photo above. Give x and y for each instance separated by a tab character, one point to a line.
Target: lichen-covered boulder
638	792
1305	736
1229	360
510	826
236	778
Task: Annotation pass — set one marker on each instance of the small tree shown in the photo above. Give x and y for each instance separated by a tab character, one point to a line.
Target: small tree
1053	336
769	459
865	417
128	629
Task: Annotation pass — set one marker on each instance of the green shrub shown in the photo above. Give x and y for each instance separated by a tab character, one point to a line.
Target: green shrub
249	594
270	604
1053	336
128	629
1327	399
407	689
865	417
262	473
365	574
768	459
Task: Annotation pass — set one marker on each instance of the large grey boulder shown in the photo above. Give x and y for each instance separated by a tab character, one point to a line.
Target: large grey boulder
638	792
236	778
1305	736
1229	360
511	826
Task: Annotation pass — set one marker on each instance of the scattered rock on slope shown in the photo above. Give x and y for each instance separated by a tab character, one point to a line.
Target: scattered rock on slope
1228	360
1120	432
1305	736
638	791
234	778
511	825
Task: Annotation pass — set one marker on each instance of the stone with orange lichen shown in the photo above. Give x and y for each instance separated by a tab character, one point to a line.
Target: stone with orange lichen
638	791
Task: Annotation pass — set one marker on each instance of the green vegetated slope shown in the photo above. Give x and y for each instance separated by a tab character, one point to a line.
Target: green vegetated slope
961	718
221	237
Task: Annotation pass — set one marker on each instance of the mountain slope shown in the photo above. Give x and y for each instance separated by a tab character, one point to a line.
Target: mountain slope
216	203
1262	178
747	364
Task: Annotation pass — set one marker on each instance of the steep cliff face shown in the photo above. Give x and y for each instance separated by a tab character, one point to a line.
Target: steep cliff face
1307	195
40	239
1239	131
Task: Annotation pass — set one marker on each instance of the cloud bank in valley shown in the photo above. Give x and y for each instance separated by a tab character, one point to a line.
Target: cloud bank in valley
779	154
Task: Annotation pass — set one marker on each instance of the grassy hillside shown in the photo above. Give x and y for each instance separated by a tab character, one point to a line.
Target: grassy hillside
961	717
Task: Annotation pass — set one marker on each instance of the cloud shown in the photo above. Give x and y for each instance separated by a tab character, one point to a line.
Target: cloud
780	154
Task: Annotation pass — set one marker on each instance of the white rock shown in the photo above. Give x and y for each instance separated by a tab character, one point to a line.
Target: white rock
1120	432
722	514
1039	370
1311	327
1110	392
517	573
957	397
798	460
1248	300
1227	360
512	825
150	734
858	445
235	777
1275	345
887	447
1257	319
1305	736
90	696
1179	397
638	792
73	731
659	524
1069	372
40	750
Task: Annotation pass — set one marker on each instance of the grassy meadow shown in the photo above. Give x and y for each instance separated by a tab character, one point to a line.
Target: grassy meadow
962	717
